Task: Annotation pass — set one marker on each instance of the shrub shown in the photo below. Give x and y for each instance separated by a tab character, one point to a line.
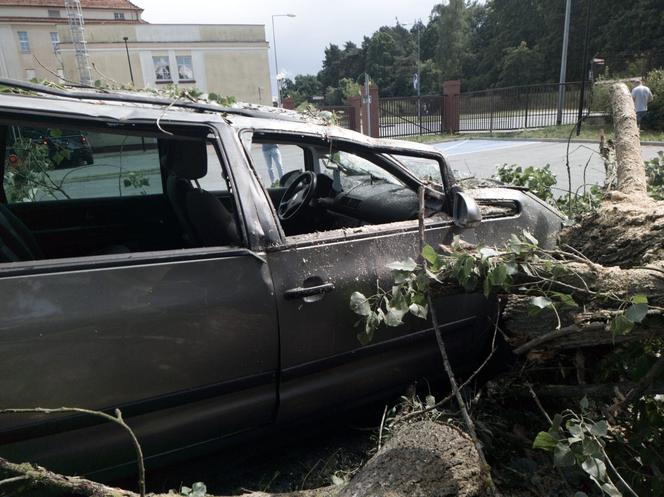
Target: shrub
654	119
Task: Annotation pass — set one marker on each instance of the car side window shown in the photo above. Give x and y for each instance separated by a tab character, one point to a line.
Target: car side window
424	168
273	161
62	164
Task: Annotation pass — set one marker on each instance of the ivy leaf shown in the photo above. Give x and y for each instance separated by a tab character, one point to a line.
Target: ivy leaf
636	312
544	441
498	275
621	325
430	255
563	456
595	468
541	302
418	310
639	299
407	265
600	429
565	299
359	304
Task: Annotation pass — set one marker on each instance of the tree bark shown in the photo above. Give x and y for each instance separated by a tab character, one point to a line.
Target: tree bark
631	172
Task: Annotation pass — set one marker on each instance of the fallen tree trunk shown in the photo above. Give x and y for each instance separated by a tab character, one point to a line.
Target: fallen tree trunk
422	459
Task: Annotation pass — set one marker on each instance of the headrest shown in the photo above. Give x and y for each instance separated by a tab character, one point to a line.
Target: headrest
187	159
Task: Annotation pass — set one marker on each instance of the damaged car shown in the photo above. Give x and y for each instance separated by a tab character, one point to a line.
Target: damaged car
197	275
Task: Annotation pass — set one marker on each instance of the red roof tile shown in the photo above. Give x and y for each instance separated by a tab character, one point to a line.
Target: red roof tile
89	4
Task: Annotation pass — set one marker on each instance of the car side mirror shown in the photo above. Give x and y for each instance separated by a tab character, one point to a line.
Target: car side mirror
465	211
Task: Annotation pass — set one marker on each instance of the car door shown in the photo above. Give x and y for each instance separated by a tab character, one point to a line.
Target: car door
183	341
322	361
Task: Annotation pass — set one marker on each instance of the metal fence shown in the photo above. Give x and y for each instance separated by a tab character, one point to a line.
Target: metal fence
518	107
408	116
345	115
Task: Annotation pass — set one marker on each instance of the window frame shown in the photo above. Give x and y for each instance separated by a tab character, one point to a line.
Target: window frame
55	40
54	13
191	66
24	42
381	156
168	65
119	16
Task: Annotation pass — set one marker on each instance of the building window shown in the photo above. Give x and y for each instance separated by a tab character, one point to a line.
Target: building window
23	41
162	69
55	39
30	74
185	68
53	13
119	16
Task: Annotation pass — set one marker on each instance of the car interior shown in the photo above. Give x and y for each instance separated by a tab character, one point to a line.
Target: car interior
325	187
143	192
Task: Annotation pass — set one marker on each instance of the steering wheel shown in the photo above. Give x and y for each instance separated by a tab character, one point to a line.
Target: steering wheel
297	196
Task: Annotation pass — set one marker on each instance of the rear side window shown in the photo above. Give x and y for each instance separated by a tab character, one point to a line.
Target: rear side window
61	164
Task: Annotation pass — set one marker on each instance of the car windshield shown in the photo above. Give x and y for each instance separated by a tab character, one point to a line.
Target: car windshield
354	165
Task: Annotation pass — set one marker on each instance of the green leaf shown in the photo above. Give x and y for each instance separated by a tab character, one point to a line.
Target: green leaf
418	310
575	430
636	312
621	325
544	441
600	429
359	304
563	456
611	490
584	402
591	448
541	302
498	275
530	238
430	255
639	299
407	265
595	468
565	299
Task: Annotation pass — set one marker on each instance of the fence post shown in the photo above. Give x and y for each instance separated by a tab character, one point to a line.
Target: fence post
375	111
492	96
525	124
451	113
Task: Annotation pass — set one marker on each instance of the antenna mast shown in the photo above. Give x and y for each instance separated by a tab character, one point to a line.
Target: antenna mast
77	28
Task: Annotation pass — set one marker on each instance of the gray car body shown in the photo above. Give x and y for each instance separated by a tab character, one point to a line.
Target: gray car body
197	345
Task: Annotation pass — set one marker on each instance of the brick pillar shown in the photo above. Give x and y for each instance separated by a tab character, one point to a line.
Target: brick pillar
451	106
288	103
375	112
356	103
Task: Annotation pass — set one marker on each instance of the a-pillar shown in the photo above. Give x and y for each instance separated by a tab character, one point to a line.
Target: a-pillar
451	106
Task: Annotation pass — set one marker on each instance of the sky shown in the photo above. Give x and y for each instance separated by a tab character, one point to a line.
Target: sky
301	40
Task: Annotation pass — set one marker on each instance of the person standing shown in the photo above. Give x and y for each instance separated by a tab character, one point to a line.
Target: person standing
642	96
273	160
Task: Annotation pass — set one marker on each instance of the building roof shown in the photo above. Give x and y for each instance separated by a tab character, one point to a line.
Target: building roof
86	4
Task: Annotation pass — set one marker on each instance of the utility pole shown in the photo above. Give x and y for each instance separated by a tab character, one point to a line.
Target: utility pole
419	79
276	60
563	64
367	101
585	68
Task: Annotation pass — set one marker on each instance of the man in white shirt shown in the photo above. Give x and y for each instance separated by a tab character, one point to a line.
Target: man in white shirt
641	95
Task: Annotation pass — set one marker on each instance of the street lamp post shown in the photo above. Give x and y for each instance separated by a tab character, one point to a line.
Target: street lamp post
131	73
276	60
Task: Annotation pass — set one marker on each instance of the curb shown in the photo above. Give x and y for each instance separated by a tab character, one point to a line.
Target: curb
552	140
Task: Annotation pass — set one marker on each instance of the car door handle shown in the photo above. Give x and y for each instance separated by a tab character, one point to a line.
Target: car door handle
301	292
